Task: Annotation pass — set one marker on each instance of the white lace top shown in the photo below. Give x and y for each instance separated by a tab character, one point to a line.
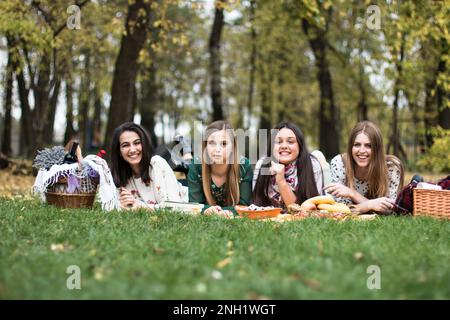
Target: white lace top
338	175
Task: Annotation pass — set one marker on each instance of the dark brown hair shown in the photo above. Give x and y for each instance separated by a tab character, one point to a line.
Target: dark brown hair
120	169
307	187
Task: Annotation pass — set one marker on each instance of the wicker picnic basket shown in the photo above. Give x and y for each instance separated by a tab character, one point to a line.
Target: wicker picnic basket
84	197
435	203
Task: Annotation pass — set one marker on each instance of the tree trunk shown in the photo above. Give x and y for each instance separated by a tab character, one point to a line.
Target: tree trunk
84	102
266	97
419	142
430	112
362	104
149	102
251	83
41	100
28	143
126	67
395	138
444	114
96	121
328	112
7	123
70	131
48	130
442	97
214	51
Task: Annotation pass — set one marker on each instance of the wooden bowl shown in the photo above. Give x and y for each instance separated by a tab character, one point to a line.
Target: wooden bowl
253	214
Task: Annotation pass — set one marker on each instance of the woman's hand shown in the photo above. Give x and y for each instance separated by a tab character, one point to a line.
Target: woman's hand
212	210
227	214
218	211
79	154
381	205
277	169
339	190
126	199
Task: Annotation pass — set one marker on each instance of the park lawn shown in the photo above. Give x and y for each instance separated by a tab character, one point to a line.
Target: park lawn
169	255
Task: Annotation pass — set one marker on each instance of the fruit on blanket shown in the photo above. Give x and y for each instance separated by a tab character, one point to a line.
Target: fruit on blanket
321	200
311	204
326	203
336	207
307	205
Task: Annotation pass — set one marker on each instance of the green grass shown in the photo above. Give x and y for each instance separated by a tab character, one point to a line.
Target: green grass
167	255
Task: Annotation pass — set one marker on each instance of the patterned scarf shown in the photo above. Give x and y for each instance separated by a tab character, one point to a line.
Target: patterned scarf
290	174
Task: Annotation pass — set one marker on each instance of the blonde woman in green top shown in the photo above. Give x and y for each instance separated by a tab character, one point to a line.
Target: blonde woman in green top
222	180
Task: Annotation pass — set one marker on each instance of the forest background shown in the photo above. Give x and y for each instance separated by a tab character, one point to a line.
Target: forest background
81	68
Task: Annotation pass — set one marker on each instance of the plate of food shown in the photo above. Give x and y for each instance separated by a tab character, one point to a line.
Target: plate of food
255	212
321	207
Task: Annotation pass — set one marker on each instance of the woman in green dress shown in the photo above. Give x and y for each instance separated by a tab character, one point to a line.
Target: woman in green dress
220	180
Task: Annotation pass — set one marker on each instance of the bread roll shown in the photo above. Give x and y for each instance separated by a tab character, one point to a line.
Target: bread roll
322	200
337	207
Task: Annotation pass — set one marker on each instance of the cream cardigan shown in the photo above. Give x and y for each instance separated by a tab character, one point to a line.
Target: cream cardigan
163	186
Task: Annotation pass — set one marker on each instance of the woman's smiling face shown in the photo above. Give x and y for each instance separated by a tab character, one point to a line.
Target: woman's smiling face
362	150
131	148
286	148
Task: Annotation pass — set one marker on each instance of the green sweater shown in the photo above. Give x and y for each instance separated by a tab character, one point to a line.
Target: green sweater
196	193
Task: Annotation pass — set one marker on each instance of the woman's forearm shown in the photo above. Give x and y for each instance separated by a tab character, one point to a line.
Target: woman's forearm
286	193
357	197
363	207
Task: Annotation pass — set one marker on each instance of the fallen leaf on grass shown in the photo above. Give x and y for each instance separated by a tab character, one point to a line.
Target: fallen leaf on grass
12	186
254	296
216	274
60	247
57	247
158	250
313	284
223	263
200	287
295	276
98	274
358	256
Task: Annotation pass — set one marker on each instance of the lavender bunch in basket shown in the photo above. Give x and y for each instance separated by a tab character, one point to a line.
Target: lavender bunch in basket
47	157
88	171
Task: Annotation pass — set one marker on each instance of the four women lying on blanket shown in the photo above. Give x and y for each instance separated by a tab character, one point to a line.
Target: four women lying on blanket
364	175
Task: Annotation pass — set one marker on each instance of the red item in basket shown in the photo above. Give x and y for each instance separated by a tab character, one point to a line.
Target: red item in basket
101	153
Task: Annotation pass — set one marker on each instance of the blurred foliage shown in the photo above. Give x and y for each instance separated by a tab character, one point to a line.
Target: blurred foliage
437	159
174	62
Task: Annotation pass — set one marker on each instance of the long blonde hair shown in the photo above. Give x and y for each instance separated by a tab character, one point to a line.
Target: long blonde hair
232	183
378	178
